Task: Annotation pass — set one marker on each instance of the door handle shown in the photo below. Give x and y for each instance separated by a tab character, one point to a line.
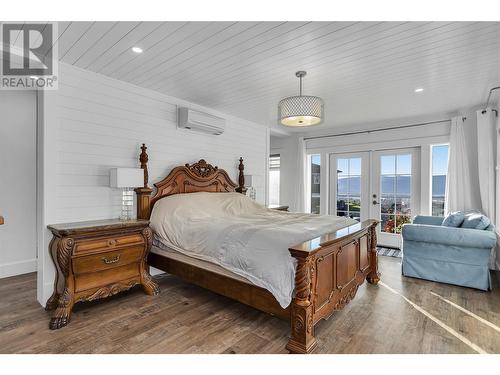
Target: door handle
375	202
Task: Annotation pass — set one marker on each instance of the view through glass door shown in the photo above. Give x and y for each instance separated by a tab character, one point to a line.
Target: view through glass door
395	192
349	185
383	185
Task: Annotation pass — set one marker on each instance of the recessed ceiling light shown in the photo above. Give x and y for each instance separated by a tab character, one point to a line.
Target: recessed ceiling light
419	89
137	49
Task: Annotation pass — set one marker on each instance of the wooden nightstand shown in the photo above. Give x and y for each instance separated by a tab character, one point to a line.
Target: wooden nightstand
96	259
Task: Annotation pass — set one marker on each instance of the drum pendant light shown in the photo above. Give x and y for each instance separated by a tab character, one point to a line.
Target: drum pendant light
301	110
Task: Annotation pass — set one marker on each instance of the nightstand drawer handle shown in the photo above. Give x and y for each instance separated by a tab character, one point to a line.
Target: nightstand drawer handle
111	261
112	242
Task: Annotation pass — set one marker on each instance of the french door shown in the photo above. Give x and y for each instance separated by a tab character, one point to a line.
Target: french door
395	191
349	185
383	185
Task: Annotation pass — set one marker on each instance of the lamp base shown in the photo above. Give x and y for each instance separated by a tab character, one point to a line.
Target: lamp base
127	204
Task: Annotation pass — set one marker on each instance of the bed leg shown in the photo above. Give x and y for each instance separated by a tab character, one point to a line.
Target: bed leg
302	338
148	284
374	276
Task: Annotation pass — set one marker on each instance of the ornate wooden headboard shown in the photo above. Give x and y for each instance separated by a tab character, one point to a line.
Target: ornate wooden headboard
188	178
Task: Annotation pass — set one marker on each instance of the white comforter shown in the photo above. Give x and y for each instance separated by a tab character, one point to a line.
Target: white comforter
235	232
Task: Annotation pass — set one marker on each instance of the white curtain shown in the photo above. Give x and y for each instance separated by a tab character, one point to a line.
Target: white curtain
458	184
300	189
486	160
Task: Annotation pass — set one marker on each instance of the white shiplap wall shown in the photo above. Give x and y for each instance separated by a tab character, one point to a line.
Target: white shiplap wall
101	122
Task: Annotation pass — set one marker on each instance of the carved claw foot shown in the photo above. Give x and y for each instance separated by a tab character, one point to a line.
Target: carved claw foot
150	287
52	302
373	278
60	319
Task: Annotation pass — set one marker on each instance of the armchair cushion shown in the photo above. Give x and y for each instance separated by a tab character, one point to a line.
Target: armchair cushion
476	220
428	220
461	237
454	219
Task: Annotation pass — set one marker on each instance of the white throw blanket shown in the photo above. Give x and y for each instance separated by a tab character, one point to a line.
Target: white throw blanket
242	236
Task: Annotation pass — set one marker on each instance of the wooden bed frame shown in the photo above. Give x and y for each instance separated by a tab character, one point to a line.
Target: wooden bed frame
329	271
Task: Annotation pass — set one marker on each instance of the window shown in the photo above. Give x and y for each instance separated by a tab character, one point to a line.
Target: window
315	183
274	179
395	199
349	187
439	172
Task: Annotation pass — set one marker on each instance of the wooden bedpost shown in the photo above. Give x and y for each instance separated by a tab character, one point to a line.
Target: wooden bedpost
144	193
241	178
302	338
374	276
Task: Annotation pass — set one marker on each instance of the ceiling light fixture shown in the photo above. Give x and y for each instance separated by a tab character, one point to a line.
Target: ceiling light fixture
301	110
419	89
137	49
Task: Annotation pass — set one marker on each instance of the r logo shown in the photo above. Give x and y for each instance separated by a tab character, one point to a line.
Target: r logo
35	41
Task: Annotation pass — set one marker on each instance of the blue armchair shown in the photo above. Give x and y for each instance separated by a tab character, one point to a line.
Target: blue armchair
450	255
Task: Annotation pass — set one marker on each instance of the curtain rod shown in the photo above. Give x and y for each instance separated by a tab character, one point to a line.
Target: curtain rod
488	100
380	129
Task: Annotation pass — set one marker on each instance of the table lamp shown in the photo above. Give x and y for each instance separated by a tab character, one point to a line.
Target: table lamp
127	179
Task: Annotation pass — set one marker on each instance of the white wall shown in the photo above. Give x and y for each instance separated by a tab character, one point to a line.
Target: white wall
18	182
93	123
287	148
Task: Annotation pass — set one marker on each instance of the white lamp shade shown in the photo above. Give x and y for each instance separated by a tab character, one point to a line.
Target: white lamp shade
126	177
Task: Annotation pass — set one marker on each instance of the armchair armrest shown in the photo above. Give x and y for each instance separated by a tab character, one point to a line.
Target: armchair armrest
462	237
429	220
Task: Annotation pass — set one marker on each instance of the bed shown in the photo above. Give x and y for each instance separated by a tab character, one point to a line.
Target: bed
312	278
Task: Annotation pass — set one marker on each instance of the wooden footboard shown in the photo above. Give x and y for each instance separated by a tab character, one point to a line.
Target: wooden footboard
329	271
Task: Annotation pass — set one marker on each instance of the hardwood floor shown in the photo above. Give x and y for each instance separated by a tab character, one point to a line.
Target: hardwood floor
378	320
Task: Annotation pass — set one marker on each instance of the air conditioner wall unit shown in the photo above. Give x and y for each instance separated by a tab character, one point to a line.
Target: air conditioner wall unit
199	121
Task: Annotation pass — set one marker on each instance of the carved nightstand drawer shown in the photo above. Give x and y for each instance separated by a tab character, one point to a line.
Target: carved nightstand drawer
108	243
107	260
96	260
86	282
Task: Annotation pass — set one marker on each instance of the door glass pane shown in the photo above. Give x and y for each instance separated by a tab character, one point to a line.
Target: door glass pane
387	204
388	184
355	166
355	185
387	223
315	183
395	202
342	167
349	187
387	164
404	164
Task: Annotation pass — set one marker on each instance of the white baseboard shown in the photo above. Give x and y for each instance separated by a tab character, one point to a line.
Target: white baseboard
17	268
45	294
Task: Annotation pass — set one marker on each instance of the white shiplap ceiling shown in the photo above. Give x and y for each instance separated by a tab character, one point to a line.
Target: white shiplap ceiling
365	71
